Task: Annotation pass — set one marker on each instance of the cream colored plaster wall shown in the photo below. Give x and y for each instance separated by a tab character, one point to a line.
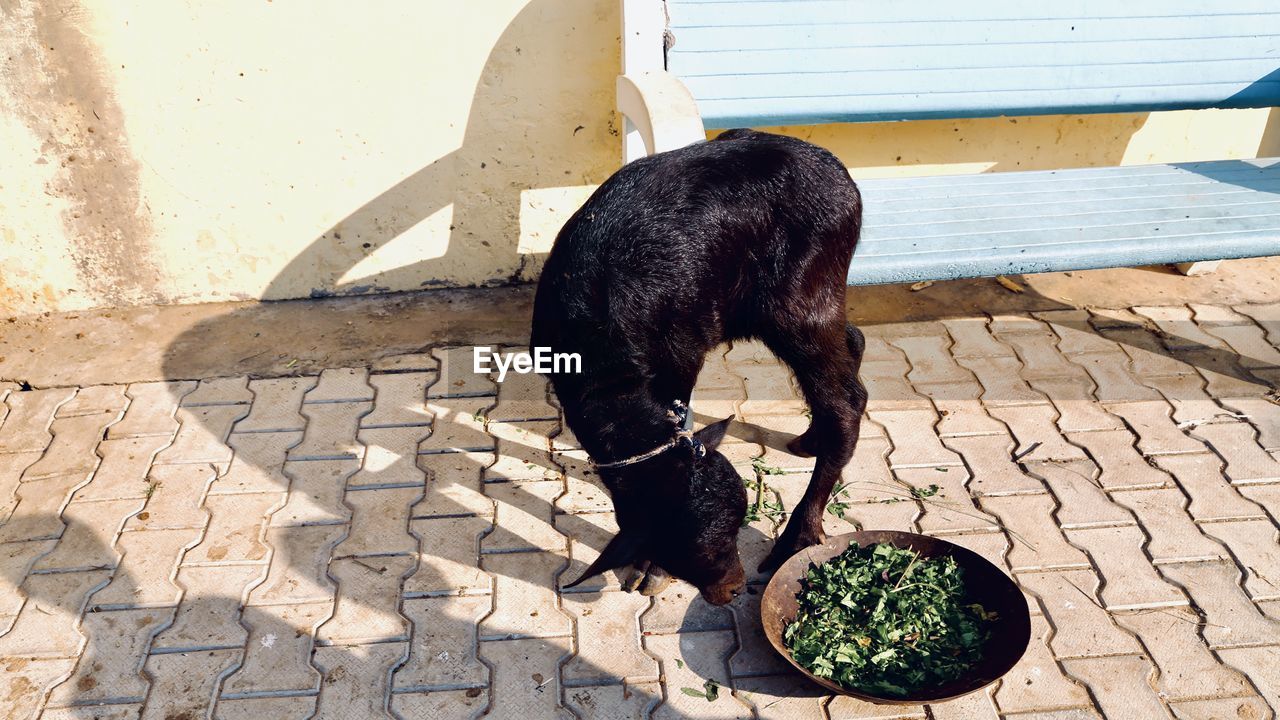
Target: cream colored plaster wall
171	152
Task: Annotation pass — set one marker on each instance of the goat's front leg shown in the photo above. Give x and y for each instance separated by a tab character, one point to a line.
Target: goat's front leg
832	437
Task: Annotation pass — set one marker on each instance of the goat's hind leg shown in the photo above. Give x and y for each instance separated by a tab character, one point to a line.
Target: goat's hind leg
826	362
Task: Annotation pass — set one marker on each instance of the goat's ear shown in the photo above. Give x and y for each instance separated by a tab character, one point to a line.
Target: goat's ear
711	435
623	549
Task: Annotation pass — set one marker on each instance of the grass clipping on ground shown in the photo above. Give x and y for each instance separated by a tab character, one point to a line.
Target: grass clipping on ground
884	621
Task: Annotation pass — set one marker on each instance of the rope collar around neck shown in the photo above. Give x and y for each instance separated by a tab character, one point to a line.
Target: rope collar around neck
680	415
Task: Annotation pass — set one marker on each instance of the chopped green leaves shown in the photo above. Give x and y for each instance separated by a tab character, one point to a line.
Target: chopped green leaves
710	691
883	620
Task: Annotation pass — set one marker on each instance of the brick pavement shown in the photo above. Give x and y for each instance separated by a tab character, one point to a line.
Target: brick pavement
389	541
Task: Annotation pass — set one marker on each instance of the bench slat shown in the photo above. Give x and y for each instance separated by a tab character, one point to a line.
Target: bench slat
757	63
1231	210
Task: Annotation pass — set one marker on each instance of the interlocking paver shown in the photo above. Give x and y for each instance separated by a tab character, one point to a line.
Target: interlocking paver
1267	496
109	665
754	656
1037	542
1082	627
400	400
331	431
390	458
588	533
608	630
887	387
1038	351
848	708
1174	536
613	702
235	524
947	505
524	518
773	432
1229	618
299	562
258	463
915	443
1121	685
525	602
276	708
1123	468
1213	708
1253	544
1187	667
454	485
449	563
584	490
990	457
11	467
91	531
1212	496
974	706
177	498
182	684
1001	381
144	578
523	451
681	609
779	697
1263	415
16	559
1081	500
24	682
1131	580
522	397
962	412
315	492
367	609
1235	442
341	385
442	651
702	657
276	405
209	614
1078	411
1037	683
39	505
123	471
1035	428
1111	375
26	427
46	625
931	362
379	522
1076	334
524	677
770	389
1191	404
277	655
971	339
127	711
1240	333
458	426
202	435
458	377
151	409
1262	665
1157	433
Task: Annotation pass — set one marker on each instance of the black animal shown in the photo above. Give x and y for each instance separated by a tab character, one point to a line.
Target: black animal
749	235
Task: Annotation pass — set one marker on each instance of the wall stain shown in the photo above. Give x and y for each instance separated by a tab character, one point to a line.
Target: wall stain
51	71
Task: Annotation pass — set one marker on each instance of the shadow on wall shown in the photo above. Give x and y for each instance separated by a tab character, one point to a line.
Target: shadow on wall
534	136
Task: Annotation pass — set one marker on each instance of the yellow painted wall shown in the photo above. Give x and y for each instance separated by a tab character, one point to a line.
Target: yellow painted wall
158	151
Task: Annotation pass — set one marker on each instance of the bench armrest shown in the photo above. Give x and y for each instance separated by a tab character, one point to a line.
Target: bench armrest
660	109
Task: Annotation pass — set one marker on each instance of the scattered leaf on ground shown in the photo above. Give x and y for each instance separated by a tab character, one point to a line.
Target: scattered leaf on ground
921	285
1010	285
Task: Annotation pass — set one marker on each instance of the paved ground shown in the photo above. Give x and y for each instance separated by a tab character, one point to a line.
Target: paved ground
390	539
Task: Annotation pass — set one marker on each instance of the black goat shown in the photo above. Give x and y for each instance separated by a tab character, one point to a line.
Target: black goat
749	235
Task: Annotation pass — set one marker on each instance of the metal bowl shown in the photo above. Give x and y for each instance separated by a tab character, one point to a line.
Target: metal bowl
986	584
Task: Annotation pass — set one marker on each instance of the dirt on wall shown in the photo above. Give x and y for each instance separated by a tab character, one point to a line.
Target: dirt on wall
53	81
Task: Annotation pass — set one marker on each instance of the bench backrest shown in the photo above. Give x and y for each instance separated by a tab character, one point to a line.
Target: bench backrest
779	62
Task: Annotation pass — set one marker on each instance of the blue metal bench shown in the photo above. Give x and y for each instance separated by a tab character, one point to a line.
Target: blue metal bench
735	63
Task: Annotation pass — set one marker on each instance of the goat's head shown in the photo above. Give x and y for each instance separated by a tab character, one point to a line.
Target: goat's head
682	512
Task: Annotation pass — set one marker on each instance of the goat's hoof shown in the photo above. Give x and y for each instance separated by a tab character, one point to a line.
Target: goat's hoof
655	581
635	576
782	552
801	446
